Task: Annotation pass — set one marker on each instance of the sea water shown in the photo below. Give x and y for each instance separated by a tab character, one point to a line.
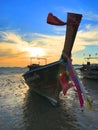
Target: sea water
21	109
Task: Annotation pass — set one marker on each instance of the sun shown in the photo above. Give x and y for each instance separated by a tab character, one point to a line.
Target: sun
35	51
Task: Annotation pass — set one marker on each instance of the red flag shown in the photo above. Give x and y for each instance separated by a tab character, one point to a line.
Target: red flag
65	84
54	20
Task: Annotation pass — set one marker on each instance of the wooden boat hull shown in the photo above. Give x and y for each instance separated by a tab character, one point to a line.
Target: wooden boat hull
45	80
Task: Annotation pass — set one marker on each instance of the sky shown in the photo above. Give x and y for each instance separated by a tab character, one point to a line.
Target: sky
24	32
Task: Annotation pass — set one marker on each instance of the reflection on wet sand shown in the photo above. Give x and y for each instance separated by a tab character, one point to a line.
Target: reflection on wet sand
24	110
39	114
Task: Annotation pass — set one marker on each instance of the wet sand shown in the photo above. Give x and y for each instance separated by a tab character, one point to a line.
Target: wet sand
21	109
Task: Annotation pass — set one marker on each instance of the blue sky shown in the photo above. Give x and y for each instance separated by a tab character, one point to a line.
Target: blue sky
23	29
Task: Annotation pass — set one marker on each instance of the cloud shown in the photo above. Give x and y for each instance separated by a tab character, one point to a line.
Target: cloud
88	15
59	30
13	45
88	36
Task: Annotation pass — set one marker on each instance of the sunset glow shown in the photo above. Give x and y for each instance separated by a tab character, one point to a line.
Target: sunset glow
35	51
24	31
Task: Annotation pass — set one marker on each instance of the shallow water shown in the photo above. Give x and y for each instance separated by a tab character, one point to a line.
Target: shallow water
21	109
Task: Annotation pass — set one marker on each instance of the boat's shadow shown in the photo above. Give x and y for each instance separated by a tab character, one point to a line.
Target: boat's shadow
39	114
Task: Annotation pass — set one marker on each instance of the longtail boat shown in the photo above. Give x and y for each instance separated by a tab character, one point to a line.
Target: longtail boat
90	70
45	79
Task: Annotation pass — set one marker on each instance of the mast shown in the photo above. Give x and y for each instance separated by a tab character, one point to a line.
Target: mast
73	21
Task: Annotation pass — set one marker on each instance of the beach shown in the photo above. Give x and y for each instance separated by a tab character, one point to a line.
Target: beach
22	109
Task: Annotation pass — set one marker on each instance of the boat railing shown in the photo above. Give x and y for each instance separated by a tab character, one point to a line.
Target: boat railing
38	60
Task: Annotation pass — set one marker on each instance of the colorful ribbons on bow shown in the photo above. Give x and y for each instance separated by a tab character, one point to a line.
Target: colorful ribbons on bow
66	85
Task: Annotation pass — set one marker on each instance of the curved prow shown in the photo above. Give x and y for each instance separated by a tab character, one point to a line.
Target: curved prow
73	21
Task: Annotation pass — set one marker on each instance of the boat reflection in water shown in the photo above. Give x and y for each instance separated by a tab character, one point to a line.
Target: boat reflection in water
41	115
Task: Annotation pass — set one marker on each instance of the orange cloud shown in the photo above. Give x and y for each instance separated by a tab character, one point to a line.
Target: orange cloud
16	51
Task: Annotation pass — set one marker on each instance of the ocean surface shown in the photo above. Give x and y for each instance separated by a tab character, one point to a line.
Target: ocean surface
21	109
